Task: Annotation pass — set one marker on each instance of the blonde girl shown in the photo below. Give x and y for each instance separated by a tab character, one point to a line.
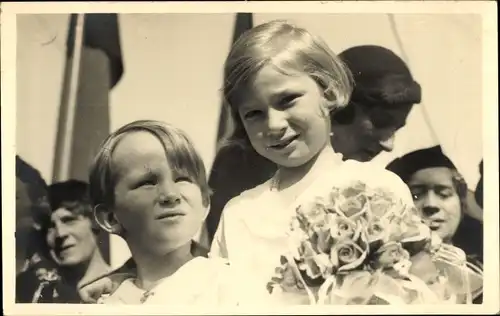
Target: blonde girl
281	83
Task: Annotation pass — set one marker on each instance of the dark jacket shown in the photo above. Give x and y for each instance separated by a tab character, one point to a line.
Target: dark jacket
42	283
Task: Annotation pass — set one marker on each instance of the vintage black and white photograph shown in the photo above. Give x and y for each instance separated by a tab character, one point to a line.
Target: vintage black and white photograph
247	158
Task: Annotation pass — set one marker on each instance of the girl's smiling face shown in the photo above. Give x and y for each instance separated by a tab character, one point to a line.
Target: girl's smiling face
285	117
160	209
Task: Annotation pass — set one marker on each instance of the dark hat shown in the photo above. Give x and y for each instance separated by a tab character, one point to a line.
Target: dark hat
380	76
412	162
68	191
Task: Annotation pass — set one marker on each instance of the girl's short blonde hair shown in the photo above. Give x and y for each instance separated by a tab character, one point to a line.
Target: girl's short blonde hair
179	149
291	50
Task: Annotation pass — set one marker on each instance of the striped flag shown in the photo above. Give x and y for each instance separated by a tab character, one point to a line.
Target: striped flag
93	67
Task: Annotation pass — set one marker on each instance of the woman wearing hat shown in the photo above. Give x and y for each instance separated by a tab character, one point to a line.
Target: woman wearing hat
33	264
440	193
68	240
384	94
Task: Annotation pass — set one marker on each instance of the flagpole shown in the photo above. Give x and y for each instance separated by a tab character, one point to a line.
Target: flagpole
67	117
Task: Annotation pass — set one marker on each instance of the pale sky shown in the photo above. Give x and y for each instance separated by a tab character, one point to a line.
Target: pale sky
176	76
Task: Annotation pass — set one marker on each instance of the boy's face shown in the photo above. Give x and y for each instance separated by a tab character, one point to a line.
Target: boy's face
158	209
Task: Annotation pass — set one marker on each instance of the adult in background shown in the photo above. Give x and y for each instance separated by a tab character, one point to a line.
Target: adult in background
69	234
478	193
31	205
383	96
31	252
440	194
475	198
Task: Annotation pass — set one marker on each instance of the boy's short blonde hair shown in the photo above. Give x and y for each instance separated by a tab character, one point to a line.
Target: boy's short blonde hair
179	149
291	50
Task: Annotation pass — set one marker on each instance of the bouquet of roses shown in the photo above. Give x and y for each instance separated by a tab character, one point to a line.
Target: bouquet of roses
362	245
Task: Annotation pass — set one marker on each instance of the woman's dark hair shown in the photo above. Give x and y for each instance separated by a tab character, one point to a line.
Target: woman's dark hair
478	193
37	193
36	186
381	79
72	195
29	175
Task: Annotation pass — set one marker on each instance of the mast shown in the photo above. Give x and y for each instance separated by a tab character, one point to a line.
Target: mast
66	119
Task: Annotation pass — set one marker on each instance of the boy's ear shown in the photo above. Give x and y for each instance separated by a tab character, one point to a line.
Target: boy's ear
107	219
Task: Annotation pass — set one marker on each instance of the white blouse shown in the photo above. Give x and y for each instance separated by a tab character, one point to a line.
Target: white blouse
252	231
200	282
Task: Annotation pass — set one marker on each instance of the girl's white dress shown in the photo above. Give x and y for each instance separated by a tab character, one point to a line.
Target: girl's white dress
200	282
253	226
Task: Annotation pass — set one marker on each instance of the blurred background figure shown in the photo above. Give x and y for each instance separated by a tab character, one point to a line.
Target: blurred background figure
475	198
72	233
440	193
69	234
31	205
383	96
478	193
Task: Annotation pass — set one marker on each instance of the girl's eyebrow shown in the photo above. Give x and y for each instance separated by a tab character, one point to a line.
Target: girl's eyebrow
246	106
281	94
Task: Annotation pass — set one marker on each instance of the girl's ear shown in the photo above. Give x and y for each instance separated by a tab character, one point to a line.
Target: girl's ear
329	104
207	209
107	219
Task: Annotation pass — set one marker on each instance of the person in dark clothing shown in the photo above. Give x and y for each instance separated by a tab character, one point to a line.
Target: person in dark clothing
440	192
41	283
478	193
37	279
67	241
384	93
31	205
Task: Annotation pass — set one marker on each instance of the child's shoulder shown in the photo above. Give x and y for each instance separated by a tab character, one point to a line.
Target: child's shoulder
248	196
215	263
369	171
236	285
